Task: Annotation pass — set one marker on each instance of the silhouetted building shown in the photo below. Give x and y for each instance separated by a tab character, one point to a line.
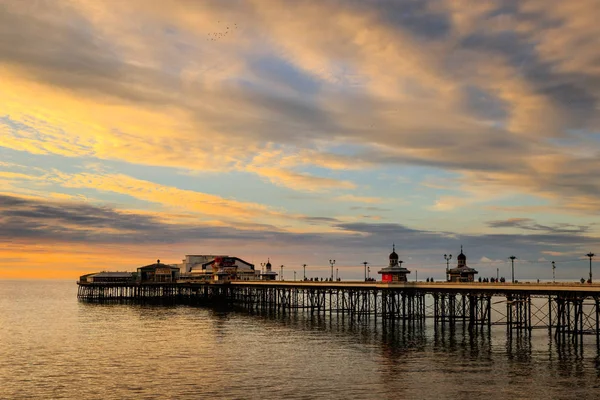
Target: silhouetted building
158	273
462	273
108	277
394	272
268	275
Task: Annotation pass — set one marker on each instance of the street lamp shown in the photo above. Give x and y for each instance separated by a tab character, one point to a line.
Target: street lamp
336	274
512	260
294	275
447	257
365	263
590	255
332	262
304	266
281	277
553	275
262	268
368	272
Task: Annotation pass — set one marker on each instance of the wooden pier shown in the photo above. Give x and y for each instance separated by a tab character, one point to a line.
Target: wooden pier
566	310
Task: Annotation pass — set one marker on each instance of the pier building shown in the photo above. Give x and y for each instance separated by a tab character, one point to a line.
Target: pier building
394	272
462	273
268	275
108	277
158	273
225	268
195	261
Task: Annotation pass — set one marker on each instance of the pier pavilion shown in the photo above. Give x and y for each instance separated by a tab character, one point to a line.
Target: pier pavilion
195	261
394	272
268	275
462	273
158	273
108	277
229	268
222	268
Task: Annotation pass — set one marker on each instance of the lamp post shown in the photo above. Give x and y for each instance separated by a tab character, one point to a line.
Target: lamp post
553	275
365	264
304	266
294	275
590	255
336	274
512	260
368	272
332	263
281	277
447	257
262	268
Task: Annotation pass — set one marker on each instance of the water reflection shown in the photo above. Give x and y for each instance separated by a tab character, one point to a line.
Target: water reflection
56	347
486	359
395	338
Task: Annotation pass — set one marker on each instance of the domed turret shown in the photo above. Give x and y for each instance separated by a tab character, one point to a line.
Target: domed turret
268	275
393	257
394	272
462	259
462	273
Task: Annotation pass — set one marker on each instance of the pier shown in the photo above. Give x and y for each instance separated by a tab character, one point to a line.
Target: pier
568	311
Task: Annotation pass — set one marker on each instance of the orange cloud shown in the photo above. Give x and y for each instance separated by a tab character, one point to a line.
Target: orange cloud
142	93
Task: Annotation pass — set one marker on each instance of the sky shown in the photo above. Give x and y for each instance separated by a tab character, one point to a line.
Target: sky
300	132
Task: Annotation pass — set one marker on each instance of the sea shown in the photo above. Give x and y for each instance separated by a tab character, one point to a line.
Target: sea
53	346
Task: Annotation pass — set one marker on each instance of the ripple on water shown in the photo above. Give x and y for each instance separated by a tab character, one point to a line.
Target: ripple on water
55	347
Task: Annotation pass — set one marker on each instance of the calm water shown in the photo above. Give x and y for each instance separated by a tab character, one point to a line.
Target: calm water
52	346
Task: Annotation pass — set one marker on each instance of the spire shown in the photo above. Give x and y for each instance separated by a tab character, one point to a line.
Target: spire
462	259
393	256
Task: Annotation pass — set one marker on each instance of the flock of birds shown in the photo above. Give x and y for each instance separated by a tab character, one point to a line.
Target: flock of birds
214	36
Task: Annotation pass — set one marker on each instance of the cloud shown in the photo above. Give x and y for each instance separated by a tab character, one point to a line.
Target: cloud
321	220
555	253
531	225
492	246
61	221
370	208
188	200
69	221
54	233
300	181
487	260
359	199
503	96
310	97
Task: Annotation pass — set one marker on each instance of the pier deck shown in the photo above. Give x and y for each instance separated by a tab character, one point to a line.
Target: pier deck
541	289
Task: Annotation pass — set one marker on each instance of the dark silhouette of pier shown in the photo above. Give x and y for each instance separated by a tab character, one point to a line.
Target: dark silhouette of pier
566	310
